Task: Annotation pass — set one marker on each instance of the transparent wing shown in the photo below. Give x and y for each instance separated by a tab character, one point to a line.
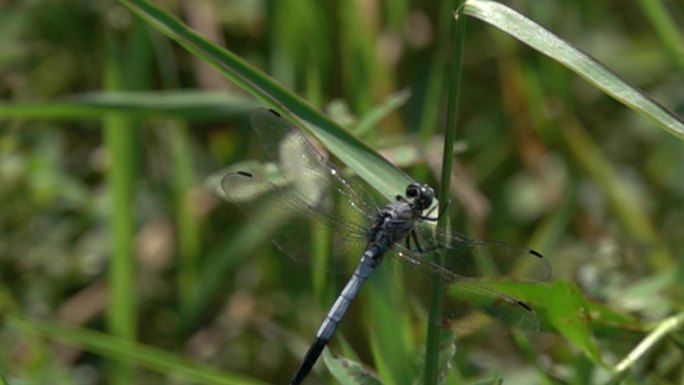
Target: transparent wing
475	274
309	199
305	193
300	161
494	261
468	303
294	225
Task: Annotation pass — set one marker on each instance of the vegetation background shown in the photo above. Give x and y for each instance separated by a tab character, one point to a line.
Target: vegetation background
119	265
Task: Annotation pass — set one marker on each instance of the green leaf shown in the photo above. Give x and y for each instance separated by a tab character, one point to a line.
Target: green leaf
368	164
567	311
534	35
604	318
349	372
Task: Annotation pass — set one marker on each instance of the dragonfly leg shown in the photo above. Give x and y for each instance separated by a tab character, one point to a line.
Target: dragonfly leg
419	249
439	215
413	235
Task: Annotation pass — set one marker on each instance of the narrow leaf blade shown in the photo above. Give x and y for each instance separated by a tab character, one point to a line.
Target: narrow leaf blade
535	36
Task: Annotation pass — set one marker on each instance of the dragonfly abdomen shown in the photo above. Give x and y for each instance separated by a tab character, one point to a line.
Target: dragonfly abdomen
369	261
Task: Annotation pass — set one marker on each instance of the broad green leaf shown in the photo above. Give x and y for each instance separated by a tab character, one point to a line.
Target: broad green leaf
349	372
372	167
604	318
534	35
567	311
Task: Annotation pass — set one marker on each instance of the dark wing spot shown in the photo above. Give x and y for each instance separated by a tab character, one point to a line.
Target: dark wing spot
245	173
274	112
536	253
526	306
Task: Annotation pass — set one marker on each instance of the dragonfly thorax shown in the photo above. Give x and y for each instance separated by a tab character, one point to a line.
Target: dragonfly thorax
396	220
393	223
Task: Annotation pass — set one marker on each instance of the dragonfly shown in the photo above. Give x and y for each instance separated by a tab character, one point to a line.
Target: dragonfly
301	187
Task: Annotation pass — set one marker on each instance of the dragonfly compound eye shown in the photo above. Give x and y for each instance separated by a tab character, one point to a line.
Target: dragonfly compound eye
413	190
427	194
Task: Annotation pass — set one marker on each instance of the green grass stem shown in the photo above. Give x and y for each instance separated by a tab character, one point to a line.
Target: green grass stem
187	223
119	135
437	291
662	330
667	31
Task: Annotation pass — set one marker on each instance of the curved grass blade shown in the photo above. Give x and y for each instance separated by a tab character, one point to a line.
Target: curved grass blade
369	165
128	351
664	329
534	35
376	114
183	104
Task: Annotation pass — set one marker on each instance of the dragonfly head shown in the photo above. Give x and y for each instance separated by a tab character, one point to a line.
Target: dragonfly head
420	196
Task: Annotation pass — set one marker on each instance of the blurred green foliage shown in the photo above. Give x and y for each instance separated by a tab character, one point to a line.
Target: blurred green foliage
118	264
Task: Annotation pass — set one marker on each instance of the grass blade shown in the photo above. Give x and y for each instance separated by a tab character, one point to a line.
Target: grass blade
665	328
577	61
190	105
187	223
376	170
120	139
666	29
130	352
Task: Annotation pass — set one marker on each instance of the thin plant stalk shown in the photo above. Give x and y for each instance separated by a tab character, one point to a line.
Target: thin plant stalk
664	328
666	28
119	140
437	290
186	222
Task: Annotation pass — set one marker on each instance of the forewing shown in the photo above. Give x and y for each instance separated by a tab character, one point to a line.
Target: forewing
300	161
468	303
296	218
491	260
307	195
